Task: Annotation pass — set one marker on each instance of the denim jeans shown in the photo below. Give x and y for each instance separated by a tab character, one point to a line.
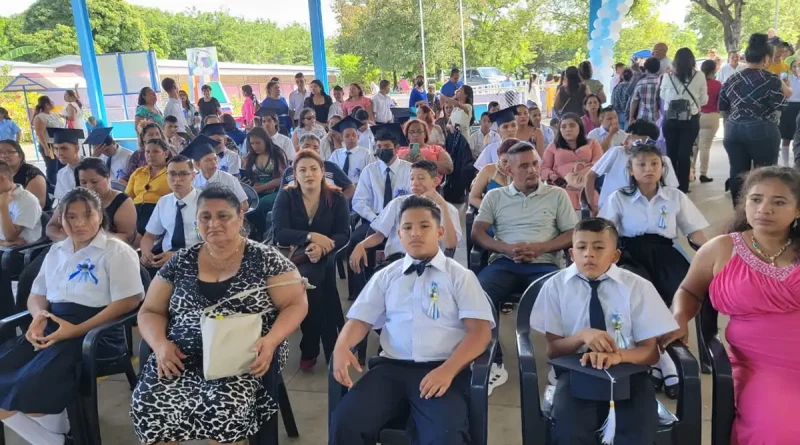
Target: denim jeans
750	144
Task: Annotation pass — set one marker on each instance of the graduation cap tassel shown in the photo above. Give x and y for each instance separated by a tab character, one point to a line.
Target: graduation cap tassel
609	428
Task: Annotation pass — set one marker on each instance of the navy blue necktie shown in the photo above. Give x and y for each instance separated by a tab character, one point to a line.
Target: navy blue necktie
346	167
387	188
419	268
178	237
597	318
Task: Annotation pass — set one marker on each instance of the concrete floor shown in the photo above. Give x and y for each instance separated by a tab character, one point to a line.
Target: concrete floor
308	391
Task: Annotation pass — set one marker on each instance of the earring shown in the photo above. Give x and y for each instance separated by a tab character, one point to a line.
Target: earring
794	226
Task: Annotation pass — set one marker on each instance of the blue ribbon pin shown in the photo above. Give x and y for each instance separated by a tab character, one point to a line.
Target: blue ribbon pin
84	272
662	219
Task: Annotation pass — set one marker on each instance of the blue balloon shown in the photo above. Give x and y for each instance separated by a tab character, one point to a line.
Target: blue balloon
613	15
605	23
604	33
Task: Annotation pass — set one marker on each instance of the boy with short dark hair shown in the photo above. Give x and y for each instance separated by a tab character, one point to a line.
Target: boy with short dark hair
382	104
436	320
484	137
336	106
611	316
174	106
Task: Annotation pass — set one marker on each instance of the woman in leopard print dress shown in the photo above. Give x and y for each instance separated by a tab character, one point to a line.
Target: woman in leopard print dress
172	401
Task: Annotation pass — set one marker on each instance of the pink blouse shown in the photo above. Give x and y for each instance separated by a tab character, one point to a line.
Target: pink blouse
558	162
349	105
248	110
429	152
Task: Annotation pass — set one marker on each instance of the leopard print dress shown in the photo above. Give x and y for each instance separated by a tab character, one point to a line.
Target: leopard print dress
189	407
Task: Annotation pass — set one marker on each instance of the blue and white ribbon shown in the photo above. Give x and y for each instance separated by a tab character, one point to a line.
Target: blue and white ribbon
84	272
662	219
433	308
619	339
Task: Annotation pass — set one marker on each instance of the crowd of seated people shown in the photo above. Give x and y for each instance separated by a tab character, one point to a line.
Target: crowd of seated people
377	187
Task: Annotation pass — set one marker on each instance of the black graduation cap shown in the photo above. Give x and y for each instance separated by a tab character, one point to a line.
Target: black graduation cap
401	115
348	122
213	129
588	383
504	115
99	136
201	146
65	135
389	132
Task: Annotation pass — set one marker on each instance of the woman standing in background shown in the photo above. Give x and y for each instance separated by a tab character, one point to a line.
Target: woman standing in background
44	118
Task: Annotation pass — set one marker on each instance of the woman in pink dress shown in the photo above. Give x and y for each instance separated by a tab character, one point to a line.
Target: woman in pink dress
753	276
417	132
357	99
568	158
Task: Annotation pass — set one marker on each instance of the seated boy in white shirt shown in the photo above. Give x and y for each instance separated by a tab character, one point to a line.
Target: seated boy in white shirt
608	134
20	212
201	151
424	179
610	316
229	161
483	137
436	320
614	165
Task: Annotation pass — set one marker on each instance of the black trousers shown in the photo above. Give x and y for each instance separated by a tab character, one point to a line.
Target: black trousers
143	212
51	167
577	421
390	389
680	137
749	145
655	259
320	322
357	281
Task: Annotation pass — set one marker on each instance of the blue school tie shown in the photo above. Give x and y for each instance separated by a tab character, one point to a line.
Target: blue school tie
178	237
597	318
419	268
346	167
387	188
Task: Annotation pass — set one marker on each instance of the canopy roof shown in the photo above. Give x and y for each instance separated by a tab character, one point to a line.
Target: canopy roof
32	82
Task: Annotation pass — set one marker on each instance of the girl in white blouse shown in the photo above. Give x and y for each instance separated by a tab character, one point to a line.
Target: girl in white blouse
85	281
653	215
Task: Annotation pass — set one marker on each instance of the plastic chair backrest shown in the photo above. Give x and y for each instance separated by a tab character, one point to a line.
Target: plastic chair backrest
252	196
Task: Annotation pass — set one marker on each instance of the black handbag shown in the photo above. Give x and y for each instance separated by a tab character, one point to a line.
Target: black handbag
681	109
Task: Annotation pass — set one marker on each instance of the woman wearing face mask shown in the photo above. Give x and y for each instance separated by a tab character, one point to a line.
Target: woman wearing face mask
415	132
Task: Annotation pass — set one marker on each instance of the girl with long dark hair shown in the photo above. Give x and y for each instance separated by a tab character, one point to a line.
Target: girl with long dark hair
146	110
570	96
319	101
44	118
249	104
462	116
264	163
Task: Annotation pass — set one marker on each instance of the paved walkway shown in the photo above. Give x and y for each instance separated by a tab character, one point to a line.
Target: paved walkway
308	391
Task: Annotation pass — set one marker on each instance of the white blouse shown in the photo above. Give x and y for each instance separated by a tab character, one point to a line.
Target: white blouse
105	271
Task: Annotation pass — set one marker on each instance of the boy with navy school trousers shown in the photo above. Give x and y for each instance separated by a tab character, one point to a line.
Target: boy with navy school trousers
613	318
436	320
424	179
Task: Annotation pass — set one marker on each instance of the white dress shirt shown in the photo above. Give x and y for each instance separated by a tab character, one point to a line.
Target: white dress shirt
549	135
296	101
488	156
366	139
726	71
697	86
562	306
400	303
229	162
219	177
162	221
368	199
478	141
105	271
599	134
65	181
285	144
359	158
25	212
336	110
381	108
667	213
119	162
614	164
175	108
387	223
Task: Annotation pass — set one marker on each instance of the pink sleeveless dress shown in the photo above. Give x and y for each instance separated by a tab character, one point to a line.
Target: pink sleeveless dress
763	303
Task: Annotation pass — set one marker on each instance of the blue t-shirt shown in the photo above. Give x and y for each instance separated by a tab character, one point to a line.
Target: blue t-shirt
8	129
238	136
416	96
449	88
281	108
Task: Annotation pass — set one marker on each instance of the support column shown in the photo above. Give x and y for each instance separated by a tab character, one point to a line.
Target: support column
80	13
318	42
594	7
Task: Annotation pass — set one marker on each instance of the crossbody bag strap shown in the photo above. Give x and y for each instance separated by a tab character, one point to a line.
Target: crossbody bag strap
685	88
248	292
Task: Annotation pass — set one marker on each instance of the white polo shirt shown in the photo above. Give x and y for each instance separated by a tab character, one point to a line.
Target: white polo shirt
174	108
387	223
65	181
105	271
381	107
219	177
368	199
25	212
562	306
599	134
162	221
119	162
229	162
400	304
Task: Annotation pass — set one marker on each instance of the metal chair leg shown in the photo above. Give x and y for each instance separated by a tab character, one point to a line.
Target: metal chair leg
286	410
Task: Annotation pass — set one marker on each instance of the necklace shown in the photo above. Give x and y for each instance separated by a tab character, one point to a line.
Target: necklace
229	259
771	258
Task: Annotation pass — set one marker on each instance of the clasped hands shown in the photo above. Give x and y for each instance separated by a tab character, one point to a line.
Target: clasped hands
524	252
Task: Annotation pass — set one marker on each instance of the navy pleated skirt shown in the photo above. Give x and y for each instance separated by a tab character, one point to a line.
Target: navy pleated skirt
43	382
656	259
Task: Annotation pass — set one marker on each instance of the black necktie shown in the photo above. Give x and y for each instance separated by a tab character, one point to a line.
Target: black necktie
178	237
597	318
108	165
419	268
346	167
387	188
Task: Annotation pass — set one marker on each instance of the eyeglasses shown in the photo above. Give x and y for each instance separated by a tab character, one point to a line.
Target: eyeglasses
309	118
181	175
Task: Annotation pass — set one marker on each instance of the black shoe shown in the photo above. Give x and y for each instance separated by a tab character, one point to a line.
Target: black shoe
671	391
705	179
68	440
657	383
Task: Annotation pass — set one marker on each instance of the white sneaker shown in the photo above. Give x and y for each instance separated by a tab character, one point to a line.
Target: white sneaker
497	377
